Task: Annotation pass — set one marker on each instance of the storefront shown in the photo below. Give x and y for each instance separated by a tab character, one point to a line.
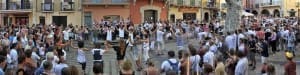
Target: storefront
184	13
148	10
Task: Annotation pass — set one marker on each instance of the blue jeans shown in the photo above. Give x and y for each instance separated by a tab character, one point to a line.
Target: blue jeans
94	38
291	49
135	52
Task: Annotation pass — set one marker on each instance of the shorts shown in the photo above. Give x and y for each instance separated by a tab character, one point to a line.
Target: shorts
251	55
264	59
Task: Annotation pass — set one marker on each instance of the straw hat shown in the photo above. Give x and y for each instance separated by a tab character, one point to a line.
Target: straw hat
289	55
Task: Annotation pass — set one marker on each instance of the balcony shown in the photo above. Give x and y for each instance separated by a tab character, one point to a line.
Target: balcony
268	4
180	3
211	5
67	6
106	2
15	7
47	7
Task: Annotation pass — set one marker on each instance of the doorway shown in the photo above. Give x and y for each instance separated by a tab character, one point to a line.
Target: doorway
22	20
172	17
150	15
206	16
42	20
265	12
276	13
60	20
88	18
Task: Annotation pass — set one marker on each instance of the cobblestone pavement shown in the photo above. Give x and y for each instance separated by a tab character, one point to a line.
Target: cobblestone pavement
278	60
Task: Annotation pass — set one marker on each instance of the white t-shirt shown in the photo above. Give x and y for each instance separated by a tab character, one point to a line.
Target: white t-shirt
121	33
81	56
131	38
109	35
242	47
167	66
229	42
160	35
58	68
250	32
213	48
195	60
66	34
14	56
241	36
209	58
35	57
42	51
8	58
242	67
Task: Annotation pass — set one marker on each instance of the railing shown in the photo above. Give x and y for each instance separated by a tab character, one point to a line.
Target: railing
180	2
47	6
211	4
192	2
271	3
106	2
297	4
67	6
15	6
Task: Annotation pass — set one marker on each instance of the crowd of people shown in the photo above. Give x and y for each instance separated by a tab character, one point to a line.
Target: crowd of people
42	49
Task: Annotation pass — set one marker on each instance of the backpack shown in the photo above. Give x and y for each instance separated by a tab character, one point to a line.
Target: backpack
97	55
174	66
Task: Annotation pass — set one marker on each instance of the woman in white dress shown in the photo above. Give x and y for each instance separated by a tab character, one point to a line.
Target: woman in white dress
146	45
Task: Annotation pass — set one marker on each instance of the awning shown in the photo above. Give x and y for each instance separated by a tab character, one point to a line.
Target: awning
247	14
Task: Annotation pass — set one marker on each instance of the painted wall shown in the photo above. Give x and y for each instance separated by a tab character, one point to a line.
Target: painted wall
73	17
136	14
290	4
99	11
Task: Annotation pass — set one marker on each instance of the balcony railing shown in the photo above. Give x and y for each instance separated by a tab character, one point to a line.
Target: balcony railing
271	3
180	2
67	6
211	4
16	6
47	6
192	2
106	2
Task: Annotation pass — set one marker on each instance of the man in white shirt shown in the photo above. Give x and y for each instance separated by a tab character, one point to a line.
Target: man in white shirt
160	41
229	41
242	65
58	68
171	64
109	34
121	32
208	58
66	37
14	57
213	47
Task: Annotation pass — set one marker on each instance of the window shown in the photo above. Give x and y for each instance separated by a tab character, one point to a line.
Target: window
297	4
67	5
112	17
47	5
224	5
117	1
180	2
192	3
